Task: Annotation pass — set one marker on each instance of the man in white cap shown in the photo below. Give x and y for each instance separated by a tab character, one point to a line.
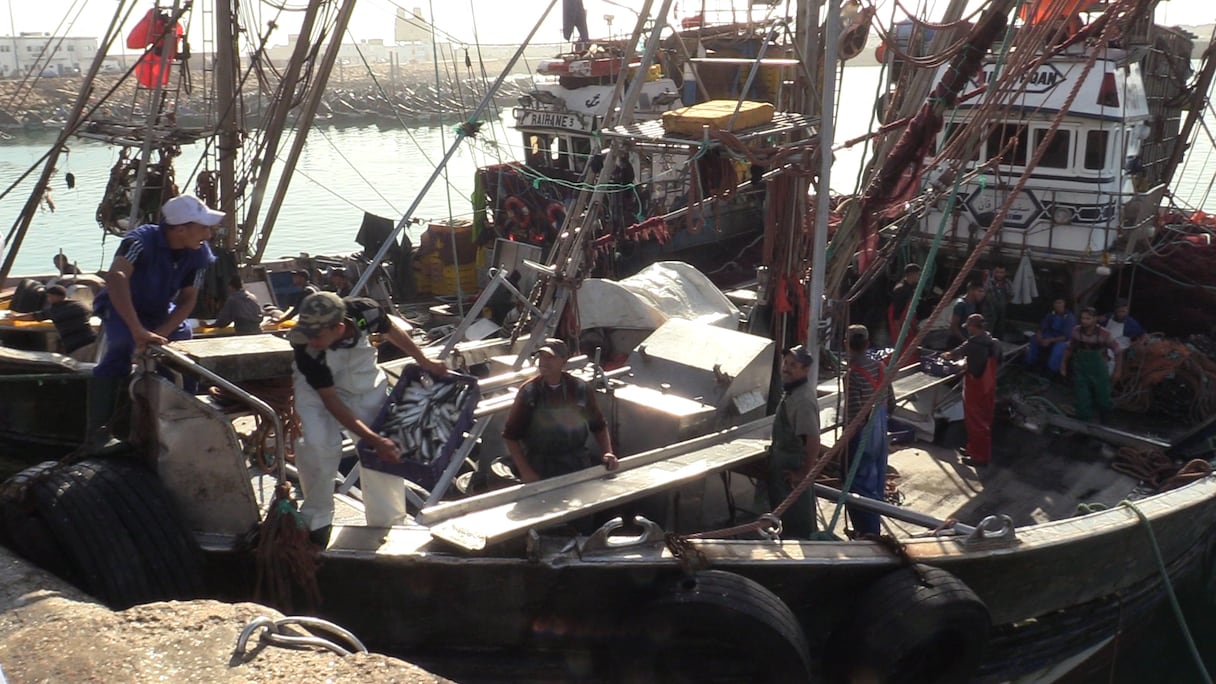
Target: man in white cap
151	289
338	386
553	414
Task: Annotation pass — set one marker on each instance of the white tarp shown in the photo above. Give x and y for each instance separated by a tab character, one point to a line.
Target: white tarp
668	289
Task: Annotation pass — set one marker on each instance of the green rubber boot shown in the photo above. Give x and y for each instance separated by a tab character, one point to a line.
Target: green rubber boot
104	396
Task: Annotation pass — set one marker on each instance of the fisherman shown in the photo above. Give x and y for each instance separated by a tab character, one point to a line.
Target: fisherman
339	386
965	306
339	282
554	412
300	280
71	320
240	309
795	444
1121	325
981	352
1087	344
870	442
900	308
151	289
1052	335
998	292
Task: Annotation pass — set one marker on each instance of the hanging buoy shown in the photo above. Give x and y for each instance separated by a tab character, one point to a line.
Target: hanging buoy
70	178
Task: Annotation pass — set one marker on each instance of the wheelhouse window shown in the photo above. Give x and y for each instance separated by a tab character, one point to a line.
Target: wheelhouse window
1000	138
1058	154
948	133
539	152
1096	143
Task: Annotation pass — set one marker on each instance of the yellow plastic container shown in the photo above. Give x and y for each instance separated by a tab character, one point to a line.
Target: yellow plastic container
716	114
465	276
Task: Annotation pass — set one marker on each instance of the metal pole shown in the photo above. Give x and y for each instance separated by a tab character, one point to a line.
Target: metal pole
826	132
274	127
304	123
481	107
226	68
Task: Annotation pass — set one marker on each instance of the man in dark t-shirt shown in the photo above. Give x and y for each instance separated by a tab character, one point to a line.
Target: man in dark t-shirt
551	418
71	319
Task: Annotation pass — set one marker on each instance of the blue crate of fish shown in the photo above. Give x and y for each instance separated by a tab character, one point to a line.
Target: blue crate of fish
427	416
933	364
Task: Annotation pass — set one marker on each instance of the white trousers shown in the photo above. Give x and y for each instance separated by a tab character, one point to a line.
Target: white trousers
319	450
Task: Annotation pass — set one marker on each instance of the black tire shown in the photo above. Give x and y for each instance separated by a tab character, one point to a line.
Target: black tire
114	528
22	529
29	296
167	549
714	626
916	624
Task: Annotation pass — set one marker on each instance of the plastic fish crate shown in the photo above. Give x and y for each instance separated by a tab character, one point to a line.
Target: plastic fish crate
933	364
411	468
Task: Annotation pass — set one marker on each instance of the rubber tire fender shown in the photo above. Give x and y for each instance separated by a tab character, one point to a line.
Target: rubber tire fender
29	296
916	624
715	626
23	529
117	528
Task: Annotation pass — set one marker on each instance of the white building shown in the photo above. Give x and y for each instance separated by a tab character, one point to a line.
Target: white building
52	55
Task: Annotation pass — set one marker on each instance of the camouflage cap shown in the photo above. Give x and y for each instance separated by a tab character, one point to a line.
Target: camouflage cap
318	311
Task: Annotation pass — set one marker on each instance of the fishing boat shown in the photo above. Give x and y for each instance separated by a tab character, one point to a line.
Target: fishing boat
659	206
982	577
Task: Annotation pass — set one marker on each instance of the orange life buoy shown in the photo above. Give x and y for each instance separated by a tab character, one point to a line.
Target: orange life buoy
518	211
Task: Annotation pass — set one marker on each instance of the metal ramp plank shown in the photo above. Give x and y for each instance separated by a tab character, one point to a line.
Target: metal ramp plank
475	523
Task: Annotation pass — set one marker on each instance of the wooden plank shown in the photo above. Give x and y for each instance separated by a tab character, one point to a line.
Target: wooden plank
509	518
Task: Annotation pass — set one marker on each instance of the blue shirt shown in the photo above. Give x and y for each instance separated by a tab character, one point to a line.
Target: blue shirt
1132	329
1058	325
158	273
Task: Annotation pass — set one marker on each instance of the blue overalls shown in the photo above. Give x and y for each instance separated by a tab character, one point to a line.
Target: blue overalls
158	274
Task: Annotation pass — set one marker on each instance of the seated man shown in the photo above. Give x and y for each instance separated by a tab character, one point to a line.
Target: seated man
1052	336
241	309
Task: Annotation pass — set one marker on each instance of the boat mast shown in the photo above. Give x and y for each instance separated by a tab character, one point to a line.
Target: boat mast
303	124
822	194
226	60
22	226
274	128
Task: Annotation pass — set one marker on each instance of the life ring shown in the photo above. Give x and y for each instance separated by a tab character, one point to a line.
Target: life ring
518	212
556	213
714	626
916	624
116	532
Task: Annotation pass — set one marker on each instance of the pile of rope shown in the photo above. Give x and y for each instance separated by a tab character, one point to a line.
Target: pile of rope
1169	377
1154	469
286	560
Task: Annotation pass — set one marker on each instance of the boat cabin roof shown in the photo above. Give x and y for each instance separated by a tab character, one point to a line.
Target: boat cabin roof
652	132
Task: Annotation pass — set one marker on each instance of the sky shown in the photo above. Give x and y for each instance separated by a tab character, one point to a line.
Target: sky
467	21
